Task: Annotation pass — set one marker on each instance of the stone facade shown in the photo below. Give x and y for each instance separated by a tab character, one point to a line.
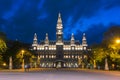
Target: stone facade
60	53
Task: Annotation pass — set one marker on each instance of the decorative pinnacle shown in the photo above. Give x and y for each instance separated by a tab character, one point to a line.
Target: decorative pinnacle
72	37
35	36
84	38
46	34
72	34
83	34
46	38
59	14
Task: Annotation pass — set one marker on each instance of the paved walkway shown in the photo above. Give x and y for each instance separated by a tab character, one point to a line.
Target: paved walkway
54	69
60	74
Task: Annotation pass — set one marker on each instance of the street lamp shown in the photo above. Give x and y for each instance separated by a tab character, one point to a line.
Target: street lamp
114	46
118	41
22	59
4	64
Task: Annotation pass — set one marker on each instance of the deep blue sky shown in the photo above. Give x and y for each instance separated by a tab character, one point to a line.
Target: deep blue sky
20	19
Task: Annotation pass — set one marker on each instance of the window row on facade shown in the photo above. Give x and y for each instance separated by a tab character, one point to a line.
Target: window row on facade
72	56
65	56
48	56
47	48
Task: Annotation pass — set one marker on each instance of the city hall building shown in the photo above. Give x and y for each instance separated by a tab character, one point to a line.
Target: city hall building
59	53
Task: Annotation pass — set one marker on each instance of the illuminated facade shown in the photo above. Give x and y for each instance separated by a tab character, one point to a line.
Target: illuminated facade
59	53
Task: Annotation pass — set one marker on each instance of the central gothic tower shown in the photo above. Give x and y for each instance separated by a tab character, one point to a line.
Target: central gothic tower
59	31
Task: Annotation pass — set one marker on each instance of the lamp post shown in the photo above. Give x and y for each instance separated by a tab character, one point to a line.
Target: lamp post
38	60
94	64
23	59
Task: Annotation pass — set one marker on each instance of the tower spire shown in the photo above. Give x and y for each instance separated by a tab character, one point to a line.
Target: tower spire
84	41
59	15
59	30
35	39
72	39
59	22
46	39
35	42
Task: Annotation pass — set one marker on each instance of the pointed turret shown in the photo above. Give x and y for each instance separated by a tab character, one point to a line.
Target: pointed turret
59	20
84	41
35	39
35	42
59	30
59	23
46	39
72	39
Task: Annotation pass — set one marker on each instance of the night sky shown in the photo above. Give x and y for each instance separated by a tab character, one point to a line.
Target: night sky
20	19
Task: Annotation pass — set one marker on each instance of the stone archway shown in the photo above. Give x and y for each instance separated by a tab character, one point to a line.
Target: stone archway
59	63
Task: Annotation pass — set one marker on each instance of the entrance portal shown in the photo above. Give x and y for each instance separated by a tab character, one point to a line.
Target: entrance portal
59	64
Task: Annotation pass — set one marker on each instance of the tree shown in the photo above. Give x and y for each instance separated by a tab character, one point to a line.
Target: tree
3	36
110	38
108	48
98	54
14	48
3	46
115	51
26	55
111	35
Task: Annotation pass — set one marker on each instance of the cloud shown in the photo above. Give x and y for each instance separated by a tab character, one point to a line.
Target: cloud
105	17
41	3
13	9
22	18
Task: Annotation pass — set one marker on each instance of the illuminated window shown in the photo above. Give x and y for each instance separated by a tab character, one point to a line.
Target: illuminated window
46	48
69	48
73	48
84	48
72	56
52	48
69	56
52	56
85	56
34	48
75	56
59	30
40	56
38	48
49	56
66	56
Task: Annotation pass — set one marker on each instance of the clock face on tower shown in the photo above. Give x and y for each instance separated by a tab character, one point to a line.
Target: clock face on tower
59	30
59	37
